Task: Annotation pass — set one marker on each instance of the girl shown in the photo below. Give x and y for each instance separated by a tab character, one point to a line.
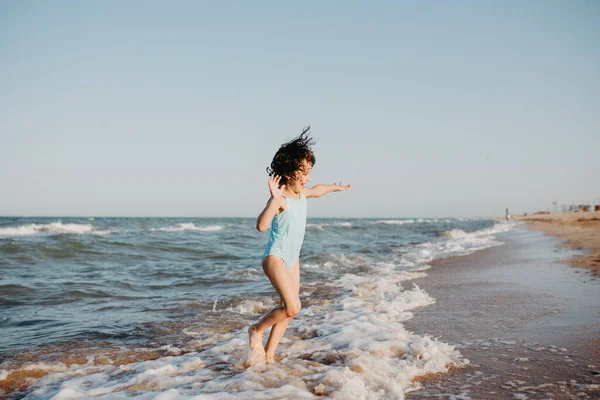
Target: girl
285	213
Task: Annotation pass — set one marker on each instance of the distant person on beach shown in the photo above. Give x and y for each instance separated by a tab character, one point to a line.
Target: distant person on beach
285	214
507	216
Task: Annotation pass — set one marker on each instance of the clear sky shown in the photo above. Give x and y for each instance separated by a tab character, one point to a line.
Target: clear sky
175	108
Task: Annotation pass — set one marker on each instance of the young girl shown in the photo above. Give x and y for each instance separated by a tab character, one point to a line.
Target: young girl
285	213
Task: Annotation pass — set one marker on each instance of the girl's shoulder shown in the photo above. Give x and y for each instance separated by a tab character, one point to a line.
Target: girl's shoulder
282	204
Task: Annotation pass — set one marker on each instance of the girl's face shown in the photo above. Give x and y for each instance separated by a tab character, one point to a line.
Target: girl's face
302	177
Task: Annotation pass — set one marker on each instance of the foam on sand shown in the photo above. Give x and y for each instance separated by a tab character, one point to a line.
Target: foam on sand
454	242
351	346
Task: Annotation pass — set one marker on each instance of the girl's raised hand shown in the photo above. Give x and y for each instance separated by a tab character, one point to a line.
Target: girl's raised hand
341	187
274	188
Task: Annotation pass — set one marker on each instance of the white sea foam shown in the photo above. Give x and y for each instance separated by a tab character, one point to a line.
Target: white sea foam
189	226
452	243
321	227
316	227
52	228
454	233
343	224
252	307
344	260
328	262
310	266
412	221
395	221
248	274
354	347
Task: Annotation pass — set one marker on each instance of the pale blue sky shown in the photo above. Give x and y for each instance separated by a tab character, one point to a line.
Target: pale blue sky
427	108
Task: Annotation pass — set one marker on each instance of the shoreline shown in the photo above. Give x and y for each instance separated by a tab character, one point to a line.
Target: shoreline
512	310
527	322
579	230
219	349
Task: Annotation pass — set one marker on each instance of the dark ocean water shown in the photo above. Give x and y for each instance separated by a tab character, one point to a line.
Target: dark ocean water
147	281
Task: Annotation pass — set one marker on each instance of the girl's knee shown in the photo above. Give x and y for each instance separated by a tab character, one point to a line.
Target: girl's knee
293	309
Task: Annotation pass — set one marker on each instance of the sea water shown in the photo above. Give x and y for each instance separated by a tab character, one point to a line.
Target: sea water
159	307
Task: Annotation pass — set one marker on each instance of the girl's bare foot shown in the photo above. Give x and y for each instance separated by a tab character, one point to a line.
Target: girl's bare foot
257	350
255	339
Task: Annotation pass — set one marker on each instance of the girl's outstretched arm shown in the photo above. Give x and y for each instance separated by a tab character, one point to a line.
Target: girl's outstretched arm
275	203
320	190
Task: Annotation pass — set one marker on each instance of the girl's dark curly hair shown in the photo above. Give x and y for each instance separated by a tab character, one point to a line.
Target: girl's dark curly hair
289	157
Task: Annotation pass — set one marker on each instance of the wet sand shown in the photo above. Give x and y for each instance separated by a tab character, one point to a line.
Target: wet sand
577	230
529	324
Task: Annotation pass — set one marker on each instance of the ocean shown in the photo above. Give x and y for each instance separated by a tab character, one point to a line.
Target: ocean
146	308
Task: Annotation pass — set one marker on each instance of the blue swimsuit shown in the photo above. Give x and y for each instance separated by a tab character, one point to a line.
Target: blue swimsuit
287	231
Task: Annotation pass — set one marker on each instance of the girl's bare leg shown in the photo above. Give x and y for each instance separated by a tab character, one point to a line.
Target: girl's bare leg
284	284
279	328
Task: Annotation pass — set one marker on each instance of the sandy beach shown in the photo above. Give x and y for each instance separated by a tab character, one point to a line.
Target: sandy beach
579	230
528	323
